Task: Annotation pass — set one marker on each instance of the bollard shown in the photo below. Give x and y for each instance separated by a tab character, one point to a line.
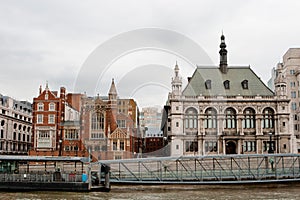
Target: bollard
107	180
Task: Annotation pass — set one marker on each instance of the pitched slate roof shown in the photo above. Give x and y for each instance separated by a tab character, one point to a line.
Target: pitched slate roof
235	75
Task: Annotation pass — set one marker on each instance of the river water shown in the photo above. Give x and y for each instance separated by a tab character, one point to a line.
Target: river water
275	191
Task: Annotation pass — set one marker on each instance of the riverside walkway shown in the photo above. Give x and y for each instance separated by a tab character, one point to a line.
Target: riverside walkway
212	169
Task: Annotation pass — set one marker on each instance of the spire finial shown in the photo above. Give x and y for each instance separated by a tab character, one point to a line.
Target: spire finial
112	90
40	90
176	69
223	55
47	85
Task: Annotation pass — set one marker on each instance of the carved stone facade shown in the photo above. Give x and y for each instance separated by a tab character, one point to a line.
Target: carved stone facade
226	110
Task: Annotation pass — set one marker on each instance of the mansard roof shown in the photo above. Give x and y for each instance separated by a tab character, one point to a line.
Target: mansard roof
219	81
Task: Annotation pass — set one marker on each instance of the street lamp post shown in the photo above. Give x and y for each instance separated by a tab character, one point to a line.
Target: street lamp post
60	147
270	144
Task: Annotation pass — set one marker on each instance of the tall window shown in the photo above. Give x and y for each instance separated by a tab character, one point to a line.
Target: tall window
210	118
115	147
71	134
211	146
294	106
191	118
268	118
51	119
44	134
249	118
191	146
121	123
249	146
293	84
40	107
39	119
292	71
230	118
97	121
51	107
122	146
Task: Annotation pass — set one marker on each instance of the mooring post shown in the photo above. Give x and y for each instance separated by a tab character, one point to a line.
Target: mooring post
107	180
89	176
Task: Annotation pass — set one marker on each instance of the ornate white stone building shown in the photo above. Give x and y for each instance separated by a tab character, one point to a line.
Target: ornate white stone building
226	110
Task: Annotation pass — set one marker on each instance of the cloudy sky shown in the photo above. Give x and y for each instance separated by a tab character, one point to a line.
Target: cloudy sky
53	40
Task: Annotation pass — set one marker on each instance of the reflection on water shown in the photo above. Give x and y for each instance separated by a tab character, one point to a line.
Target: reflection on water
274	191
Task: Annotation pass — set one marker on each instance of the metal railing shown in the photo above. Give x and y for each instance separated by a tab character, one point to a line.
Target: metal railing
41	177
215	169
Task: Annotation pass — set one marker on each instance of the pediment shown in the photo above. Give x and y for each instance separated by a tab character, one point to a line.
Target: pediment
118	133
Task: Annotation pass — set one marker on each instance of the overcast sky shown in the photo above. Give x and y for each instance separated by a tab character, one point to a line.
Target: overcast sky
51	40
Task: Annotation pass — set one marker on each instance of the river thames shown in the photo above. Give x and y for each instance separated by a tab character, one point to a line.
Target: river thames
275	191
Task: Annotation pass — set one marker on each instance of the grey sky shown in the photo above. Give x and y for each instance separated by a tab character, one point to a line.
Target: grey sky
50	40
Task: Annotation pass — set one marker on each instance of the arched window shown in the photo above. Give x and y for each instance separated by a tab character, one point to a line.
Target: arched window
210	118
97	121
249	118
191	118
230	118
268	118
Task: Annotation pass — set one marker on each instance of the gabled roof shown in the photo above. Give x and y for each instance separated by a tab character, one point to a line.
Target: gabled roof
235	76
118	133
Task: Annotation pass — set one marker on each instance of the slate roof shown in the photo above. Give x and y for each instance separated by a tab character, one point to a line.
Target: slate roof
236	75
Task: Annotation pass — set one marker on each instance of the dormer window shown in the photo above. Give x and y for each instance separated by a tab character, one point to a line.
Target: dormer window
227	84
245	84
208	84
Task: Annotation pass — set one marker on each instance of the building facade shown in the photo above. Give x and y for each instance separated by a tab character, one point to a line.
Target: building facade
152	139
109	125
56	128
226	110
286	78
16	126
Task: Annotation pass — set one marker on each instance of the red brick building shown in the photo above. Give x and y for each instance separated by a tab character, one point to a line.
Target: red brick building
55	124
78	125
108	125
